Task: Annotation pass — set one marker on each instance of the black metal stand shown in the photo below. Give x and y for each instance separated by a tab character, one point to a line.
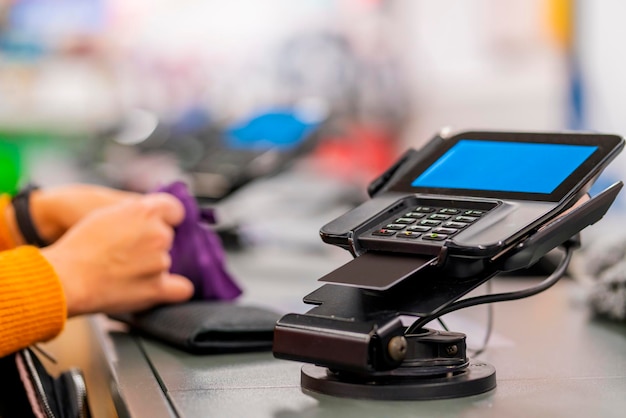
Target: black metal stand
434	366
474	379
359	347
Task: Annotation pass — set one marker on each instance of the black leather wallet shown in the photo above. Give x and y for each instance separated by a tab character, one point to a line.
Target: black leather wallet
205	327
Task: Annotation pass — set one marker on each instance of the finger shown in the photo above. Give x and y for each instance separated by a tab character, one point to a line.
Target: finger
175	288
168	207
160	238
148	266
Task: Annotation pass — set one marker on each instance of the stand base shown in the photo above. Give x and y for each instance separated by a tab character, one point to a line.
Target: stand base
475	379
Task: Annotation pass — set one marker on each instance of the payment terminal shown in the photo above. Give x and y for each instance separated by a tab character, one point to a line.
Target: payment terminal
463	200
440	222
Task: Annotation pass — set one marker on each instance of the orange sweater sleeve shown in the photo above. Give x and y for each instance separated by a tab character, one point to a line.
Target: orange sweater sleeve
6	240
32	303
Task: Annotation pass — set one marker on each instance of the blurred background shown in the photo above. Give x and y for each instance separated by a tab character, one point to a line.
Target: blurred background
284	109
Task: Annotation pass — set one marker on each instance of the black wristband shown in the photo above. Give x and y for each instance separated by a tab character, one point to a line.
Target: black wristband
21	206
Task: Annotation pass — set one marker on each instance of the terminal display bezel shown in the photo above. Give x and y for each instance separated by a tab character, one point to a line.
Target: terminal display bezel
606	145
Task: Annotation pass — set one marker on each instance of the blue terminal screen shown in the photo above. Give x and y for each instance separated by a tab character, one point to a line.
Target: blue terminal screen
525	167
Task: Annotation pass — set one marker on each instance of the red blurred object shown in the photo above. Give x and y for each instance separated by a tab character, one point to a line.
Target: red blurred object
359	154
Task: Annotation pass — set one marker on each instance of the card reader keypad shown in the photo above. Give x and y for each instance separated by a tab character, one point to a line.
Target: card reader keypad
428	223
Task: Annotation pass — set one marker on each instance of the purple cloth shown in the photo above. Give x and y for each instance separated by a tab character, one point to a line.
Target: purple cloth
197	251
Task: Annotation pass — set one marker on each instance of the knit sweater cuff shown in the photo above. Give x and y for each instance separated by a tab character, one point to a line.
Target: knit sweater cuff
32	302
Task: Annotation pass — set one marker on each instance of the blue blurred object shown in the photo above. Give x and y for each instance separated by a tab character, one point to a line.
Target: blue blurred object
34	28
56	18
262	144
280	129
213	158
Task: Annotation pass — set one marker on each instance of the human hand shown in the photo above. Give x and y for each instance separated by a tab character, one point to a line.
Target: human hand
117	259
55	210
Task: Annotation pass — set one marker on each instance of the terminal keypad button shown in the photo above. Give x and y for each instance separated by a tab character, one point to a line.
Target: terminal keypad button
418	228
434	236
405	221
414	215
468	219
384	232
454	224
447	231
450	211
408	235
473	212
428	223
395	227
424	209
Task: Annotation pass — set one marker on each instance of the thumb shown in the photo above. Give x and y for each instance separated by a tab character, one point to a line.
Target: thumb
168	207
176	288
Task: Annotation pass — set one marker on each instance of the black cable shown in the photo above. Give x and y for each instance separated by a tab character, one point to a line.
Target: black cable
443	324
487	337
499	297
